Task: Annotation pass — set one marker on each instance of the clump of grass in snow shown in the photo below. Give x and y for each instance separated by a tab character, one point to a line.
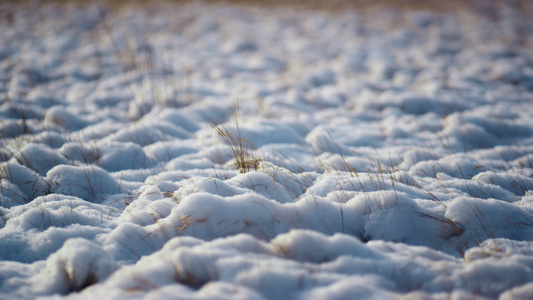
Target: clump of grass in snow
240	147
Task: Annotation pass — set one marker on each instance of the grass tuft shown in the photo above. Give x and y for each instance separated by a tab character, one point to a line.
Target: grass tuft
240	147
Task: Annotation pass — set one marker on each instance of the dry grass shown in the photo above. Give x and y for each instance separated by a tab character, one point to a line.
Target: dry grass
240	147
327	5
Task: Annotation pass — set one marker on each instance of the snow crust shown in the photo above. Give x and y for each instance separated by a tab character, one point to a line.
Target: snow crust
219	151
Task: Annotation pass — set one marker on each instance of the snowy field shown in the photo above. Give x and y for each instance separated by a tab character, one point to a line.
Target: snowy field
196	150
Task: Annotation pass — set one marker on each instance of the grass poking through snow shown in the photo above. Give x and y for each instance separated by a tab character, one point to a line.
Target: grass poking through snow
240	147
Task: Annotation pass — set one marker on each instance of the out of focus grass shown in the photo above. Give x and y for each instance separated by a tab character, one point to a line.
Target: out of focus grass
434	5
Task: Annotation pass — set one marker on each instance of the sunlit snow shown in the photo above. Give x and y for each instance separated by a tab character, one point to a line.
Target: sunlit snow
210	150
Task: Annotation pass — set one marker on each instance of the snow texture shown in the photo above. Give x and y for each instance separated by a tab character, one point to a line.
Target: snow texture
209	150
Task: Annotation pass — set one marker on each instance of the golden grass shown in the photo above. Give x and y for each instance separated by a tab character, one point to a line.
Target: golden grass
328	5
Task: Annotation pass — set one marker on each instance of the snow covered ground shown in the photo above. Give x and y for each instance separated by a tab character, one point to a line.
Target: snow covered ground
218	151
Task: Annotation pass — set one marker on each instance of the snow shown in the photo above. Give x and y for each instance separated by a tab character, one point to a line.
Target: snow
210	150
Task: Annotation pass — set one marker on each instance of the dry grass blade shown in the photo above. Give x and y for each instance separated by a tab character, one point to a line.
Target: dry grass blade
456	227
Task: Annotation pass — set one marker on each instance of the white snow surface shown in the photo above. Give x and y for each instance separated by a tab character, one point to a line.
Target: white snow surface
387	151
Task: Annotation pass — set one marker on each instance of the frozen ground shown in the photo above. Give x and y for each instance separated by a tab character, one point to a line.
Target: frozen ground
210	151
